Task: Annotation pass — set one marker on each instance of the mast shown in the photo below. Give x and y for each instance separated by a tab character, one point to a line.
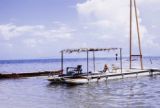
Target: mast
138	33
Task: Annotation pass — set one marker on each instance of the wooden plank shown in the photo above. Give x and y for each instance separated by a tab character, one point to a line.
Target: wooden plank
33	74
132	73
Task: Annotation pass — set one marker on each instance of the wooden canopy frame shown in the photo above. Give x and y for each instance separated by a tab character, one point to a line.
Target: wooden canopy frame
87	50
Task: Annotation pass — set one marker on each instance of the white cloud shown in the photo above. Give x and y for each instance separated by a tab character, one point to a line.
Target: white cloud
112	14
110	19
9	31
33	34
32	42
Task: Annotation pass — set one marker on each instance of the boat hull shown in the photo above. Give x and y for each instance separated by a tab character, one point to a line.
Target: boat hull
79	79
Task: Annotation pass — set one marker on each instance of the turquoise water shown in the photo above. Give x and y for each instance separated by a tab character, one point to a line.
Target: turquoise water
141	92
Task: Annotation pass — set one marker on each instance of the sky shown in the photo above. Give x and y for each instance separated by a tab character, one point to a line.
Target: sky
31	29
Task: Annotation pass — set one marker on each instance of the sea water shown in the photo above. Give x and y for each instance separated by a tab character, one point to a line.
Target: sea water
142	92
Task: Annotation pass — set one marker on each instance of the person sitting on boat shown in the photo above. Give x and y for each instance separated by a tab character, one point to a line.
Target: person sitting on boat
105	68
78	69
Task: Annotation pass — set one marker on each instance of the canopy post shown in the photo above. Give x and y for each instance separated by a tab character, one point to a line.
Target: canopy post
94	66
121	63
87	62
62	61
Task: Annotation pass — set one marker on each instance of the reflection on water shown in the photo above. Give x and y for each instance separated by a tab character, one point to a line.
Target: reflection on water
39	93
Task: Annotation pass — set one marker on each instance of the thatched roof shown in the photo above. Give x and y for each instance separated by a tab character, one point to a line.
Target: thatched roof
87	49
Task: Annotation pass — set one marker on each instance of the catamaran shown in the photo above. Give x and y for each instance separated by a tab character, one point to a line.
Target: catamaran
76	75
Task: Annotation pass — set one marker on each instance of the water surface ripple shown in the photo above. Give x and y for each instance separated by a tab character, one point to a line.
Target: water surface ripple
38	93
140	92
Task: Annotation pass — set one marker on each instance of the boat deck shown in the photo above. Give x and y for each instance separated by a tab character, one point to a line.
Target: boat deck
132	73
104	76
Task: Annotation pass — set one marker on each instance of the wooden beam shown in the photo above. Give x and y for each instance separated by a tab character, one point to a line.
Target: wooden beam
130	66
138	32
31	74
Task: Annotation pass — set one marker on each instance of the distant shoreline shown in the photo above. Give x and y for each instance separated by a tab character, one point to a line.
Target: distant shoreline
58	59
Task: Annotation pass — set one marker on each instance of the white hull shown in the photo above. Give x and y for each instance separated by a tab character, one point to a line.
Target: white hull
80	80
84	80
98	77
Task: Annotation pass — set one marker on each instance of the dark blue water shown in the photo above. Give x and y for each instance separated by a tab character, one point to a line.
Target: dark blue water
141	92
